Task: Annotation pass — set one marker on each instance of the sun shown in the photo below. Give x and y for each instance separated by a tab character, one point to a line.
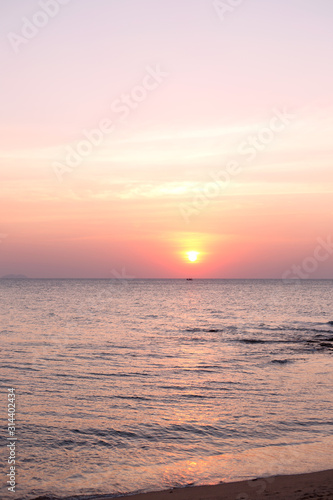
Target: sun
192	256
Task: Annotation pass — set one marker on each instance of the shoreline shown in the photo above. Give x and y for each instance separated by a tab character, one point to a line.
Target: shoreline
311	485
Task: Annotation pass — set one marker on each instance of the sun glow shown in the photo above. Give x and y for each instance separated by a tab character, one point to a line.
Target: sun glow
192	256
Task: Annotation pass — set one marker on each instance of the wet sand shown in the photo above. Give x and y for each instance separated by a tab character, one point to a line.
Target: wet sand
315	485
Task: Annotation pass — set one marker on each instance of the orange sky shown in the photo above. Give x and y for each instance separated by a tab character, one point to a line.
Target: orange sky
129	140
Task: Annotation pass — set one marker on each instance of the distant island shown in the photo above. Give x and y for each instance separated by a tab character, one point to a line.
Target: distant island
14	277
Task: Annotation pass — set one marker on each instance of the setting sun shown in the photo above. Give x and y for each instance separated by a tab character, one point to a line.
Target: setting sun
192	256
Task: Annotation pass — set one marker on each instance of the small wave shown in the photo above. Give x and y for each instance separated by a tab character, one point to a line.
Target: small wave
281	361
173	387
303	329
252	341
194	339
195	396
66	442
209	366
206	330
105	433
314	330
197	370
137	398
326	344
24	368
321	342
114	346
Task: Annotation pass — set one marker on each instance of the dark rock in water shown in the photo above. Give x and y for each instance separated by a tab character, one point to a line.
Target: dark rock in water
212	330
281	361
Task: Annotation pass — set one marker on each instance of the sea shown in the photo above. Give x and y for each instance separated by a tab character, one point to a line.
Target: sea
125	386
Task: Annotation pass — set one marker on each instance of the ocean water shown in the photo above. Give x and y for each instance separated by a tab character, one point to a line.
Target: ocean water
139	385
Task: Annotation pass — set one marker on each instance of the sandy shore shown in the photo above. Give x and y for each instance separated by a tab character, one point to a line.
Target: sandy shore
316	485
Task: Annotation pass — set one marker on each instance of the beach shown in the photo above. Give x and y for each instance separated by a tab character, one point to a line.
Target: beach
316	485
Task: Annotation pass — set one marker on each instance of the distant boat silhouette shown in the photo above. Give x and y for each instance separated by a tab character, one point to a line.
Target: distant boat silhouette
189	279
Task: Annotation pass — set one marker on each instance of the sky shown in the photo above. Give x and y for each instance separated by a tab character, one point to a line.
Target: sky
135	132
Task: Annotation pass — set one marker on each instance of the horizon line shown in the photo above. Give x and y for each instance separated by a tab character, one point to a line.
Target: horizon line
4	278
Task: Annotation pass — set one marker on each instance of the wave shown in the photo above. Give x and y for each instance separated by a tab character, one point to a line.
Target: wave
156	432
312	328
281	361
326	344
253	341
24	368
206	330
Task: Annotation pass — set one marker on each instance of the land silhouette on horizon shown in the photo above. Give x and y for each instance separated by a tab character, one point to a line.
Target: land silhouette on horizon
14	277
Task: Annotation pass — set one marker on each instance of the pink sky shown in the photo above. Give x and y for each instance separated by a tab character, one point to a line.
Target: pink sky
215	135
